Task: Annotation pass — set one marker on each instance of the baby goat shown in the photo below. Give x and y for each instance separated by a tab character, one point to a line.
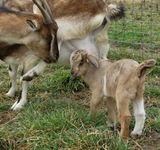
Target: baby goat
121	81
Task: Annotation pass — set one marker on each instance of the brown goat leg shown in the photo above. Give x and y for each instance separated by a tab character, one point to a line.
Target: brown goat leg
111	106
95	103
124	117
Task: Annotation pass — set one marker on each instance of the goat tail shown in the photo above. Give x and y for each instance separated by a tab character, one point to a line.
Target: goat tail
115	11
144	66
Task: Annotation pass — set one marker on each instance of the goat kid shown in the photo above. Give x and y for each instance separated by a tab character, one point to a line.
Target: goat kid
24	39
82	25
121	81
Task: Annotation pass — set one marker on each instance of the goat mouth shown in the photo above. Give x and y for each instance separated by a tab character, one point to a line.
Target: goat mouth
74	74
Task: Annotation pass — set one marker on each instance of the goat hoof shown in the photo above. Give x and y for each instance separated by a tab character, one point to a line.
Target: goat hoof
11	94
135	135
111	125
16	106
125	139
27	78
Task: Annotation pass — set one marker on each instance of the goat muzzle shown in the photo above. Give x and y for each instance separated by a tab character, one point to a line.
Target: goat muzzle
73	73
47	60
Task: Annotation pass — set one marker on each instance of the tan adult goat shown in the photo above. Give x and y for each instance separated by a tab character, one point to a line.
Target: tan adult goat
24	38
121	81
82	25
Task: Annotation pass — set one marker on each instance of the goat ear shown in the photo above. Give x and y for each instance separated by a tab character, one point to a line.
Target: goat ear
33	24
93	60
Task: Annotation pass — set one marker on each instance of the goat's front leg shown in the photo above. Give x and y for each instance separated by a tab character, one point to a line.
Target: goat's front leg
13	78
124	115
111	106
139	114
35	71
23	97
95	102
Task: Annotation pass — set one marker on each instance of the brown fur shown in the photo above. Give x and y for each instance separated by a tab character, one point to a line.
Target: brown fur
15	30
22	5
124	83
64	8
89	15
78	21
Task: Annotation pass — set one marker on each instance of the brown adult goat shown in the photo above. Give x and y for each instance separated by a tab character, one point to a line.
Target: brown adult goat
82	25
24	38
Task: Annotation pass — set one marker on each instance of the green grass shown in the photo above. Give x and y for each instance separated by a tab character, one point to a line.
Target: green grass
57	115
58	124
55	118
139	28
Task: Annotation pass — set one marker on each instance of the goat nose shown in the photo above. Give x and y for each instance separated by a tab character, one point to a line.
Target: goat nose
55	59
47	60
73	73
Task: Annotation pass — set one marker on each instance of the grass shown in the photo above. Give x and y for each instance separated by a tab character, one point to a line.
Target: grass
140	27
57	115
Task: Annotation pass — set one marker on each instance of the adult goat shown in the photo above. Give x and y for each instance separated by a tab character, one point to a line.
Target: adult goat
24	38
82	25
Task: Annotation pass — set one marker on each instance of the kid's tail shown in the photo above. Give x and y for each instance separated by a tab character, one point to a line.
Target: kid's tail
142	68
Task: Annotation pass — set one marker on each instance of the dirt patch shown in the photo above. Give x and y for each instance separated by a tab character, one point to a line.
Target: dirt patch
150	142
7	116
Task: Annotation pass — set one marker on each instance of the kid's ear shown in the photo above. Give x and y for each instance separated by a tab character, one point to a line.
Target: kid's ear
93	60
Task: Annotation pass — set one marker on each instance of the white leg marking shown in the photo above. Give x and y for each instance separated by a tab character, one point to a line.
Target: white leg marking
13	77
35	70
139	113
23	99
104	85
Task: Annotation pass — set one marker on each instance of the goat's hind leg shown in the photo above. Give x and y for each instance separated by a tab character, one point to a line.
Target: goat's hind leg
111	106
13	78
139	114
124	115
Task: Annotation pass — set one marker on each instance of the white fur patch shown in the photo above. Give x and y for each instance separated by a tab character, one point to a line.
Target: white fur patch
78	26
104	85
139	113
13	79
67	47
19	104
